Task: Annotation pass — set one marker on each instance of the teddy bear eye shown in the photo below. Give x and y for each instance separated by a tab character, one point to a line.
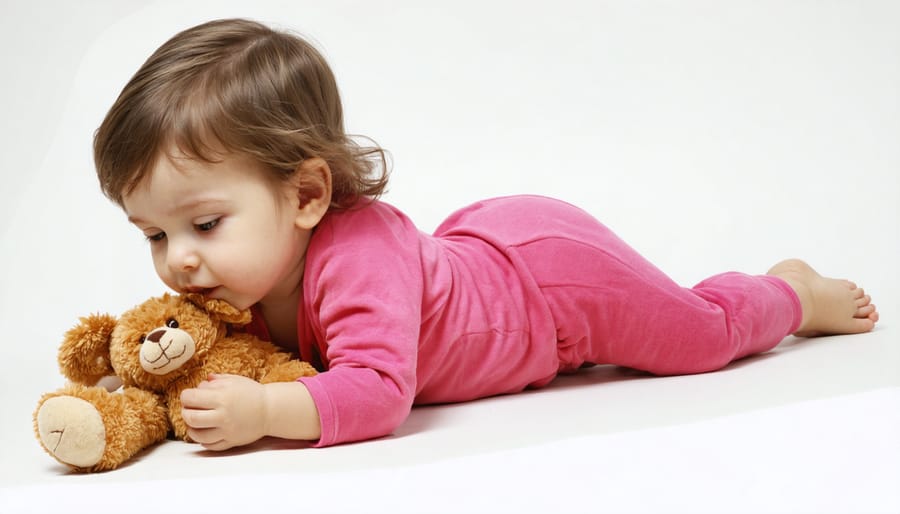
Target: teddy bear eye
142	338
172	323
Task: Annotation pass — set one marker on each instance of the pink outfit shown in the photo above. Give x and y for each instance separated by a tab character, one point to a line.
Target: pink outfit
508	293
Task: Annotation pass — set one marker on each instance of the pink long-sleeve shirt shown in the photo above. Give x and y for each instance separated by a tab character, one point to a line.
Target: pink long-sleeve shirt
399	316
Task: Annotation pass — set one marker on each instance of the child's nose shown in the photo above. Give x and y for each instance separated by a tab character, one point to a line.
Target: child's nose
182	257
185	263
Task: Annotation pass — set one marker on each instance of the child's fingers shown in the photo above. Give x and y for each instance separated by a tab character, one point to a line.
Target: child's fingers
197	398
219	446
215	380
205	436
218	379
199	419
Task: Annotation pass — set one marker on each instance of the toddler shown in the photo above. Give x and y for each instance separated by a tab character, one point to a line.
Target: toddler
227	149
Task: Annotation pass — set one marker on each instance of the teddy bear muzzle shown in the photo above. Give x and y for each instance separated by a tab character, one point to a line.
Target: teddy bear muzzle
165	349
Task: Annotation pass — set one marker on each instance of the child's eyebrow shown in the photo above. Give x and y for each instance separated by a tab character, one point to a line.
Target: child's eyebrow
188	205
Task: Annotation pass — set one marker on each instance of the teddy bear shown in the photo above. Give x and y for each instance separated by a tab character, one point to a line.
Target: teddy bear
157	349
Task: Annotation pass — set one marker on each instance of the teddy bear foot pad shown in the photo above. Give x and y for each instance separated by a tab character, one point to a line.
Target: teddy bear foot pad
72	430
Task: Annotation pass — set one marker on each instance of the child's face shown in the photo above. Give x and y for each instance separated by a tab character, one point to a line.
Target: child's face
222	229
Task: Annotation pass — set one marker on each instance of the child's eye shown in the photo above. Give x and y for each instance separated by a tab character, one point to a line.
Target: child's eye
159	236
207	225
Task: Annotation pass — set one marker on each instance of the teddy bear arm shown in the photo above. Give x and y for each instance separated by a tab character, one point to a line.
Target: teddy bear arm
244	354
287	371
83	356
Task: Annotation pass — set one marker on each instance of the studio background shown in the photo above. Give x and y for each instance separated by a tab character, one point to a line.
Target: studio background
711	136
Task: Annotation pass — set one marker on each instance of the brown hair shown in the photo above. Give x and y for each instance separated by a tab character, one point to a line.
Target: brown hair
240	86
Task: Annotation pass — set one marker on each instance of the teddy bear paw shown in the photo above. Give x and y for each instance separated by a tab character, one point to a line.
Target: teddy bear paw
72	430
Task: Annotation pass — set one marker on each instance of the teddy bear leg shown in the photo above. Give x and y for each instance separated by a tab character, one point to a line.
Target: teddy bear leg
71	430
91	429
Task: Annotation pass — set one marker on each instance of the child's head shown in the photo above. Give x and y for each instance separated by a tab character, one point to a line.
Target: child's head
234	87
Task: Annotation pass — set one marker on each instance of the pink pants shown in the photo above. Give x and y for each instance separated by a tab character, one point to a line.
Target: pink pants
611	306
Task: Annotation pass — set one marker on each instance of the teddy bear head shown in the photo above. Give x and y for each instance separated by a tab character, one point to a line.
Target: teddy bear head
150	345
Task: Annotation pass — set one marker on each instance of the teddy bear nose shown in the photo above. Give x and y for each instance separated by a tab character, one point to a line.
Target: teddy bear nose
156	335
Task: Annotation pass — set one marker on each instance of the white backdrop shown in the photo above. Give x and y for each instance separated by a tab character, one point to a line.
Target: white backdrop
710	135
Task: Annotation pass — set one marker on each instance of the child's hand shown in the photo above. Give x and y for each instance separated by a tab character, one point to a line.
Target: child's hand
225	411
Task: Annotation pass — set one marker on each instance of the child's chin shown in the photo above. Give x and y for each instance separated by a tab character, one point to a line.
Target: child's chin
238	303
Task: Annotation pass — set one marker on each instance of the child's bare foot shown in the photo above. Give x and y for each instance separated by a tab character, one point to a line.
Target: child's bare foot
830	306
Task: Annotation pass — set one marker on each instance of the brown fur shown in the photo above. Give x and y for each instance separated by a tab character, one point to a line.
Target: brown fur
149	405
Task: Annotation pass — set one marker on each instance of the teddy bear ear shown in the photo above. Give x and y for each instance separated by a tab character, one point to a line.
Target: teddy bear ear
220	309
84	353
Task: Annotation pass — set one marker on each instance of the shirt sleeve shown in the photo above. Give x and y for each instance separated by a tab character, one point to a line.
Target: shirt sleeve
363	295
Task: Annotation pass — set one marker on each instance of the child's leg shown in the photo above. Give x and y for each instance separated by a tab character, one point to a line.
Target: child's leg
612	306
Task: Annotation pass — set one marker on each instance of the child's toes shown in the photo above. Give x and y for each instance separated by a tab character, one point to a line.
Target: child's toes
865	311
860	325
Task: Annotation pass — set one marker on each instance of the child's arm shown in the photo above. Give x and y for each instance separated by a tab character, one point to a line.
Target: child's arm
230	410
291	412
363	296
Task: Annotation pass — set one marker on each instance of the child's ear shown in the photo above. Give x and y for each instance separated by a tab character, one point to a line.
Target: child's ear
312	183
